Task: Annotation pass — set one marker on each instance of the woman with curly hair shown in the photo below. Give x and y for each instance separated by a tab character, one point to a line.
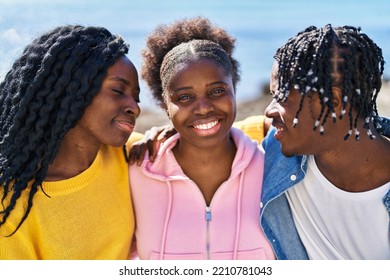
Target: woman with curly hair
200	197
68	107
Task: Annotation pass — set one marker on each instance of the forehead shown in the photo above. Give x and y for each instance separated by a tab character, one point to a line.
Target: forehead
201	65
123	63
274	75
274	70
198	75
196	61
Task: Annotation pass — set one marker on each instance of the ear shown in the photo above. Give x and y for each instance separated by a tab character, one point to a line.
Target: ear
164	104
337	99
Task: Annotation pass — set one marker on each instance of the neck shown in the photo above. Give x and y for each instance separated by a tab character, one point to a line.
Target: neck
357	166
196	155
73	157
208	167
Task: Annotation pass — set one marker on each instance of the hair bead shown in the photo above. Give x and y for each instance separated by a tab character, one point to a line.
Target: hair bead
295	122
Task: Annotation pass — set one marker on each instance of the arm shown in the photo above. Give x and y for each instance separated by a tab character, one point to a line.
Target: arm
15	247
256	127
150	142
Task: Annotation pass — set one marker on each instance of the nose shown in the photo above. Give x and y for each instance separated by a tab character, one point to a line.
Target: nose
132	107
272	109
203	106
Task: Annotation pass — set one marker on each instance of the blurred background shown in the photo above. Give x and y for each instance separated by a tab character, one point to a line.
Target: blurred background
260	27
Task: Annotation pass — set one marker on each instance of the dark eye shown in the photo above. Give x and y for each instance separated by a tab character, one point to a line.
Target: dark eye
183	98
118	91
217	91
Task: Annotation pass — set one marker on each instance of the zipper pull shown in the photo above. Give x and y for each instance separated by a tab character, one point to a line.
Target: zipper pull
208	214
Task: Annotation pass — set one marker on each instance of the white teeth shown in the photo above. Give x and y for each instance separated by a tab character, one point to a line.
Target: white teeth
206	125
280	129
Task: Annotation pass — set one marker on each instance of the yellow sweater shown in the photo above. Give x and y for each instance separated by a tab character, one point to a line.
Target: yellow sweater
89	216
253	127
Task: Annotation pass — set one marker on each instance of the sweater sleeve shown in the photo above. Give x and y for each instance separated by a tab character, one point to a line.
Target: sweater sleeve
252	126
134	137
15	247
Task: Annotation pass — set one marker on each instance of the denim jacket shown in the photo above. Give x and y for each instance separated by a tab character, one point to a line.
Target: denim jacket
280	174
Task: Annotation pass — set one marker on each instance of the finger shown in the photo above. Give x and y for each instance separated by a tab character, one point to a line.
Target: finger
154	132
141	150
168	131
134	154
153	148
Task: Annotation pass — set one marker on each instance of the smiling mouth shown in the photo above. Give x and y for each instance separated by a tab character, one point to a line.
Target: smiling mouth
279	132
206	126
125	126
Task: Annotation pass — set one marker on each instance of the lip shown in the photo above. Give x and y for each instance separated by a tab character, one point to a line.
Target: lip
127	126
280	129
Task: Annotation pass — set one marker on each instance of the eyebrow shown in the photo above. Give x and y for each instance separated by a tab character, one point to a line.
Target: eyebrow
210	84
120	79
217	83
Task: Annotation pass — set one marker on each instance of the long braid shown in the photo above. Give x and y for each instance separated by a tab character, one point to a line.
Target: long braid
306	64
43	96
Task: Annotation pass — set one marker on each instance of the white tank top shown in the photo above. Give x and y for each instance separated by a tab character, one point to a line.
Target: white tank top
335	224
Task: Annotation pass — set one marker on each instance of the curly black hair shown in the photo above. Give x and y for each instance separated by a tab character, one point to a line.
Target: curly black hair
185	39
42	97
318	58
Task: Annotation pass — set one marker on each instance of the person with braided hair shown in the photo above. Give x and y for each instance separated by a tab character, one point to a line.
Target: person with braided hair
68	106
199	198
326	188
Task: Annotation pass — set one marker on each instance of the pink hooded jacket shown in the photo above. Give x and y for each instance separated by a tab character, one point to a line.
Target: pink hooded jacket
174	222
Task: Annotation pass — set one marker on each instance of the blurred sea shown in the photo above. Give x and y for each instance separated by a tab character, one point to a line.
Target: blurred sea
259	26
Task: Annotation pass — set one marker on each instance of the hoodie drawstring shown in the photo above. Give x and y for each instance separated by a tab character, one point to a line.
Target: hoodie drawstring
167	216
238	208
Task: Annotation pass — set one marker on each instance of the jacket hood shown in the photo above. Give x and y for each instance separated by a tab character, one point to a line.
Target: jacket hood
175	193
166	168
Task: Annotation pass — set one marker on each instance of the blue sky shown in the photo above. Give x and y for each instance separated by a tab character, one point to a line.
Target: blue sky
260	26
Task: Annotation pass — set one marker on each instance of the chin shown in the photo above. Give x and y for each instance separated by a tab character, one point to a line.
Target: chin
288	152
117	143
289	155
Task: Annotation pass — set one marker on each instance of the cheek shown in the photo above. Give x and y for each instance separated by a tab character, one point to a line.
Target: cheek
232	107
88	116
231	110
101	113
227	103
314	108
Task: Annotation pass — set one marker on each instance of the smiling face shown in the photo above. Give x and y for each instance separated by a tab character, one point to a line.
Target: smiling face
110	118
301	139
201	102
